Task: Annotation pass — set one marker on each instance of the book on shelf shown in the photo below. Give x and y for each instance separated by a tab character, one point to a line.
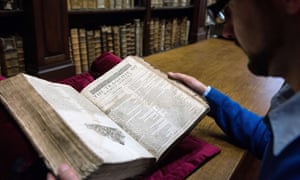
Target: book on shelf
118	127
20	52
156	3
76	4
138	37
69	5
11	4
168	35
170	3
130	38
162	34
83	50
116	40
97	39
109	39
103	4
104	30
11	55
92	4
91	46
75	43
155	35
110	4
123	40
84	4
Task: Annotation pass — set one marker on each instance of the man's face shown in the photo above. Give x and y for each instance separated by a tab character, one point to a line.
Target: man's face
256	32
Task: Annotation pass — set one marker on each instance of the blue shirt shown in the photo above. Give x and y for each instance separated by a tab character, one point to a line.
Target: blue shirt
273	138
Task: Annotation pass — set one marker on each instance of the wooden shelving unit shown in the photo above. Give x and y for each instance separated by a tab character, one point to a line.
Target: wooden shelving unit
45	25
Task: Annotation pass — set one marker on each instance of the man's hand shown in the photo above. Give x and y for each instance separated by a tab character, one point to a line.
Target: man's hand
190	81
65	172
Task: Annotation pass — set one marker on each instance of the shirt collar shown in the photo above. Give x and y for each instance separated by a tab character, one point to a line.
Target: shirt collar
285	123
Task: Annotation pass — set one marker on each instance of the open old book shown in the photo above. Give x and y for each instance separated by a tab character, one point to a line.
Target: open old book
119	126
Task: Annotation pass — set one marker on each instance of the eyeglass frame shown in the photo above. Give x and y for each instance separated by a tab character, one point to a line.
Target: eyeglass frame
216	11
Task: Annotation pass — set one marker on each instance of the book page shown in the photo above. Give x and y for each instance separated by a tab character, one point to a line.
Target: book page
94	128
150	108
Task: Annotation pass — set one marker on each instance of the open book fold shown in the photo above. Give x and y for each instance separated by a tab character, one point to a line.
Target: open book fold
118	127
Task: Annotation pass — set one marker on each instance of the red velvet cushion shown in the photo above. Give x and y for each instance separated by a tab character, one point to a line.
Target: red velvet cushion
187	156
79	81
103	63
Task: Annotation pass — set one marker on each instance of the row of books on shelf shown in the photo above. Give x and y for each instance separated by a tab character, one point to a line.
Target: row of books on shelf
166	34
170	3
122	40
127	39
10	4
123	4
103	4
11	55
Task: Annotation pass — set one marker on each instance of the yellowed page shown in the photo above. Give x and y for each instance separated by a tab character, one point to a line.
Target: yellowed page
150	108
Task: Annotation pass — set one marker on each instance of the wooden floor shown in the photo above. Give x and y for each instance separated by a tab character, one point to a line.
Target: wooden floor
221	64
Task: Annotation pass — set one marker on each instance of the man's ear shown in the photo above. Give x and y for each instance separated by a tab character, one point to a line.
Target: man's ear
291	6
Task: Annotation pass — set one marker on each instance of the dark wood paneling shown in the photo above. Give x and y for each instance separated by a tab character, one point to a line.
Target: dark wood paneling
46	39
198	30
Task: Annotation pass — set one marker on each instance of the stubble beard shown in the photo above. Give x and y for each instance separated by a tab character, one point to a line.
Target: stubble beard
258	62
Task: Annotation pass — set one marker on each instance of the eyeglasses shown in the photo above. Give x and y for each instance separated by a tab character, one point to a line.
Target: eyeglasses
216	11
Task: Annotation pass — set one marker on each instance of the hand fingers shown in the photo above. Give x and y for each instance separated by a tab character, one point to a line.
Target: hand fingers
50	177
65	172
177	76
189	81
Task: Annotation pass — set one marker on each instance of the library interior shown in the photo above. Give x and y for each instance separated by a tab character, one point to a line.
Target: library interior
63	40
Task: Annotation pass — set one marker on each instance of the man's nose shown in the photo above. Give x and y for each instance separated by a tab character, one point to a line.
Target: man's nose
228	31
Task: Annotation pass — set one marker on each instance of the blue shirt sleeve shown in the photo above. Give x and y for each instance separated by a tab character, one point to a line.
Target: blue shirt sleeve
244	127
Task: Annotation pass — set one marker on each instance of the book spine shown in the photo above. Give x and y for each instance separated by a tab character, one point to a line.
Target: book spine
76	4
156	35
11	55
130	39
123	41
83	50
162	35
109	36
104	38
116	40
91	50
151	36
20	52
76	50
69	5
137	27
101	4
97	38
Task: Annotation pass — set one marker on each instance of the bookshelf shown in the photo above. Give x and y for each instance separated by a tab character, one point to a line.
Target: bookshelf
45	27
11	45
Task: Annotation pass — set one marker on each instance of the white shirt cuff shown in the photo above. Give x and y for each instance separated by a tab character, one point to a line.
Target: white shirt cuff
207	90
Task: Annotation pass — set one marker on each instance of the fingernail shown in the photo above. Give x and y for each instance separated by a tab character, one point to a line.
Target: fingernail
63	168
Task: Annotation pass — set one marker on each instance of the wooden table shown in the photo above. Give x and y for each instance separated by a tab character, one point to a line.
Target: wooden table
221	64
